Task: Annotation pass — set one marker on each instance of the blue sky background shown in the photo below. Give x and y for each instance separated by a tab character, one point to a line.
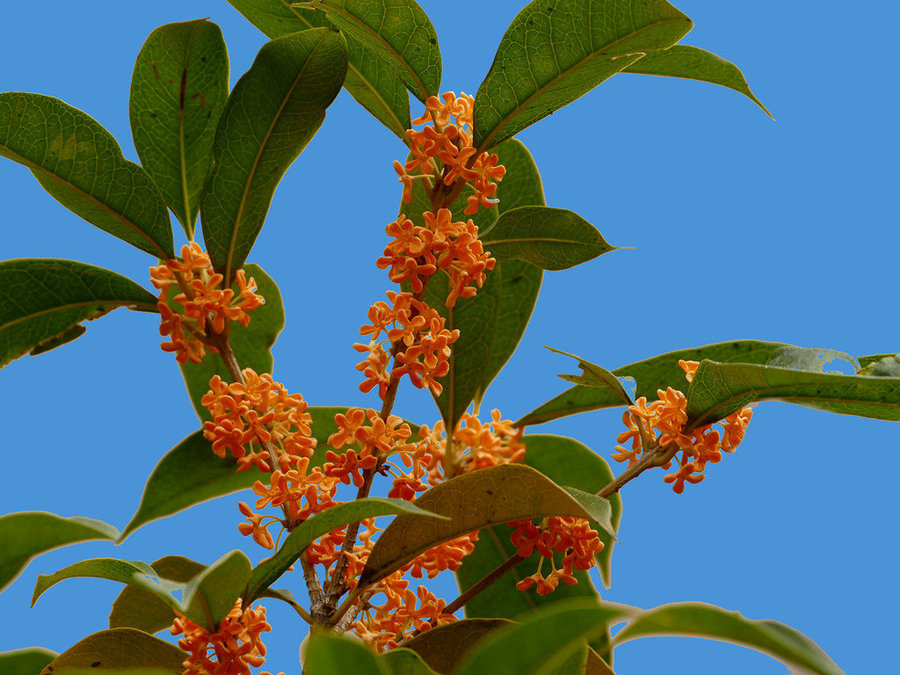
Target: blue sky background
742	227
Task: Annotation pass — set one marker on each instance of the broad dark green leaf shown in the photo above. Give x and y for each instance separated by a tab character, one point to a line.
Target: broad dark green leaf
43	301
399	32
370	80
211	594
404	662
472	501
566	462
708	621
28	661
273	112
78	162
552	239
555	51
329	654
252	345
178	90
269	570
30	533
131	572
118	648
443	647
492	323
139	608
693	63
593	375
541	642
650	374
720	389
190	473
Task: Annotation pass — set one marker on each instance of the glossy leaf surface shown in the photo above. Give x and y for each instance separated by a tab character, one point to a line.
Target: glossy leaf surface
178	90
443	647
593	375
405	662
139	608
78	162
328	654
492	323
269	570
273	112
650	374
555	51
212	593
694	63
252	345
190	473
30	533
124	648
486	497
43	302
708	621
552	239
399	32
28	661
370	80
720	389
541	642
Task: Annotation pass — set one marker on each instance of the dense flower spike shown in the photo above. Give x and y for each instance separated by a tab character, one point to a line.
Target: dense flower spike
231	650
205	307
662	423
246	415
424	344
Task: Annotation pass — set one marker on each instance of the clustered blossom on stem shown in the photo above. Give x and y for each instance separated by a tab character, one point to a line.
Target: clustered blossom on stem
205	307
231	650
662	423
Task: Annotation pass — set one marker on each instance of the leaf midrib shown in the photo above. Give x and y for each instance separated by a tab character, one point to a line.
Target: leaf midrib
487	141
114	304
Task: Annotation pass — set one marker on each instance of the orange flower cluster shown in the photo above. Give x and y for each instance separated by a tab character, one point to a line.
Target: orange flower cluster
449	140
259	410
663	422
371	441
417	337
204	306
573	537
416	253
235	646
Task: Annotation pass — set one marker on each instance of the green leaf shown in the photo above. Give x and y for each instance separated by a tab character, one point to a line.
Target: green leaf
491	496
555	51
492	323
178	90
720	389
211	594
190	473
131	572
595	376
28	661
399	32
273	112
552	239
252	345
595	665
405	662
693	63
80	164
541	642
370	80
139	608
708	621
269	570
118	648
329	654
880	365
29	533
650	374
43	301
443	647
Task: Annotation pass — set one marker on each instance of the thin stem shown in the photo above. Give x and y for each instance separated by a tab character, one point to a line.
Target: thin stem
319	612
486	581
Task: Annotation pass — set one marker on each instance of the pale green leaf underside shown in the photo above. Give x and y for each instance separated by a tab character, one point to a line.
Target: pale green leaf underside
80	164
